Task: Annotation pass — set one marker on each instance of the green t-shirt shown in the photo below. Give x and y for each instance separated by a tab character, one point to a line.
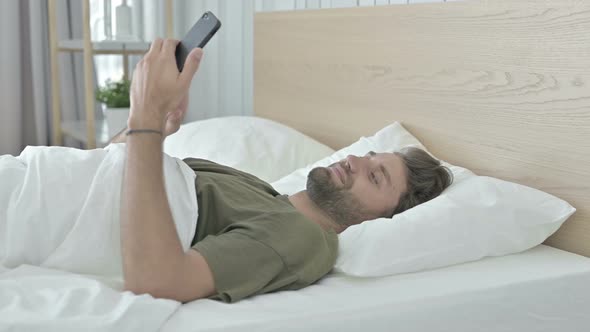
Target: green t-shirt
252	237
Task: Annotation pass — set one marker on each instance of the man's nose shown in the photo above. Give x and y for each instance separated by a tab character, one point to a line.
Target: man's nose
355	163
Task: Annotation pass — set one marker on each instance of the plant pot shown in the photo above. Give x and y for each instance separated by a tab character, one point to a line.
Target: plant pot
116	119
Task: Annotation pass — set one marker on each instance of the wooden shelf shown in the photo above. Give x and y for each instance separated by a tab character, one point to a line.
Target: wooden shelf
105	47
97	135
77	130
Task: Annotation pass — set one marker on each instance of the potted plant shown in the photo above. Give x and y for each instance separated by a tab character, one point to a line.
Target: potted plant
114	97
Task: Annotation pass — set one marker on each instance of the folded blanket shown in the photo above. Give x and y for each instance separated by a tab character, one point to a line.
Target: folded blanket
59	210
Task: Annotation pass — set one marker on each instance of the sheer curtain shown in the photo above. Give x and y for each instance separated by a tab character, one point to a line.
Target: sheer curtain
25	116
223	85
24	77
11	87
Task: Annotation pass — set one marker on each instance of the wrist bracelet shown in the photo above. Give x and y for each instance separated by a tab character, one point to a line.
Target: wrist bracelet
142	131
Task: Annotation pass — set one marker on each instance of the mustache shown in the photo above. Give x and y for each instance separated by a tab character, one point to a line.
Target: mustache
344	168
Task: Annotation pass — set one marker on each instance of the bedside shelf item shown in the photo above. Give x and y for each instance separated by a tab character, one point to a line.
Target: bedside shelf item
77	130
105	47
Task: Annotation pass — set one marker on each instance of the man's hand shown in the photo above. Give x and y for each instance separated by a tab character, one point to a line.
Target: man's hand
174	119
158	90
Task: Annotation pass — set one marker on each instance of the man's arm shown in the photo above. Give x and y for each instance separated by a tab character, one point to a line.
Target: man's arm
172	123
153	259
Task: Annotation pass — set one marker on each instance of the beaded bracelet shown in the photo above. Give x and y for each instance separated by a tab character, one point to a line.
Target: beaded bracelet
142	131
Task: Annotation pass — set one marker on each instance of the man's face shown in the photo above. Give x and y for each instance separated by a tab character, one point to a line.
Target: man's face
358	188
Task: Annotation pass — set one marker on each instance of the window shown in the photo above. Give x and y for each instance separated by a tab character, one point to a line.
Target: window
108	67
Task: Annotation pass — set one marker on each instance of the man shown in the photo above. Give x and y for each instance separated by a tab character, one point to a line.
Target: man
249	238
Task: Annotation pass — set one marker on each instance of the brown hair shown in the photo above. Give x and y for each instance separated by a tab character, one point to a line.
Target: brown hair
426	178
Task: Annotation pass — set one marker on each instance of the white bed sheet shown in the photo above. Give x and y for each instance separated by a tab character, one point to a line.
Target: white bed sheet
542	289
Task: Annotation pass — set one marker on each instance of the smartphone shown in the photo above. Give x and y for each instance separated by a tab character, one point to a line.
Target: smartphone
198	36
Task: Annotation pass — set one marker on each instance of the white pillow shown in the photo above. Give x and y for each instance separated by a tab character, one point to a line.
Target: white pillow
475	217
262	147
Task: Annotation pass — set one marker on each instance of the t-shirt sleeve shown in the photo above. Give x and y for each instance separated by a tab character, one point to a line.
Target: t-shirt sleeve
241	265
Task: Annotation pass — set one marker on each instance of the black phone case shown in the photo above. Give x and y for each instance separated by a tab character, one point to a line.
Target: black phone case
198	36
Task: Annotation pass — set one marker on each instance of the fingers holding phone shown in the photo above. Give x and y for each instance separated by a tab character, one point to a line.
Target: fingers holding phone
162	78
157	87
197	37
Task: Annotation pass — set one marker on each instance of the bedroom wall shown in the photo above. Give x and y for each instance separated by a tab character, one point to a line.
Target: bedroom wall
224	84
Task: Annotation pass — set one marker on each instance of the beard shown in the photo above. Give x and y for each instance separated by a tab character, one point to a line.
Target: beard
338	203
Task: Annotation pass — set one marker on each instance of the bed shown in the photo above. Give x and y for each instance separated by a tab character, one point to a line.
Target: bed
543	289
500	87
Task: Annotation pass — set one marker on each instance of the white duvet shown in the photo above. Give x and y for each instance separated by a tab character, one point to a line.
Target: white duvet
60	253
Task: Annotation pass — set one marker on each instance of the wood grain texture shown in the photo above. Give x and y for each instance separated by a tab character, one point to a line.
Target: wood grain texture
57	136
88	77
500	87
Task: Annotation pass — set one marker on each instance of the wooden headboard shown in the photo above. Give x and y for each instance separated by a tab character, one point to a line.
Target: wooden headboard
500	87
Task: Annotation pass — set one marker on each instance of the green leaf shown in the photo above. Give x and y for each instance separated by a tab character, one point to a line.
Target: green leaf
114	94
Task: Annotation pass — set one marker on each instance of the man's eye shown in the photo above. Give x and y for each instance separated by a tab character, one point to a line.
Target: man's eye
374	178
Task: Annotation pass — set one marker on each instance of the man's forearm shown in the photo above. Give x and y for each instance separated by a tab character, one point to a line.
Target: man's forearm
150	245
153	258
